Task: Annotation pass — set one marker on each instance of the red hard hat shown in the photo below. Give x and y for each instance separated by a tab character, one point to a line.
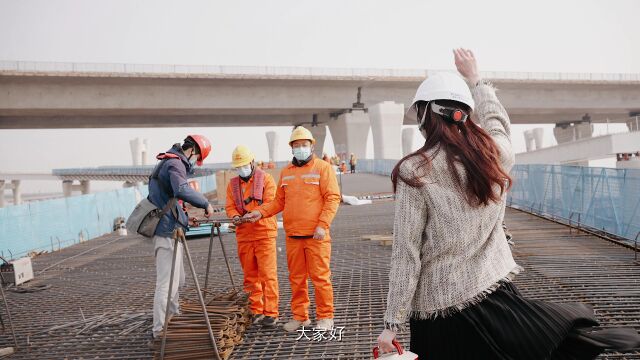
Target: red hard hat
204	145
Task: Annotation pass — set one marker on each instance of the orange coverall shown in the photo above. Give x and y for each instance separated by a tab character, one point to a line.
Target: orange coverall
309	196
257	249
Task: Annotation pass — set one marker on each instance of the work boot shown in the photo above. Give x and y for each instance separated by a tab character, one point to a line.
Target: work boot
257	319
325	324
269	321
153	340
294	325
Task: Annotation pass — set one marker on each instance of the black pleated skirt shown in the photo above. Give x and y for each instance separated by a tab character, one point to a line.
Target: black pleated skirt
506	325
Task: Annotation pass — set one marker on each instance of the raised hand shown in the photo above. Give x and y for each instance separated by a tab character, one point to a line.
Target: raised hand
467	65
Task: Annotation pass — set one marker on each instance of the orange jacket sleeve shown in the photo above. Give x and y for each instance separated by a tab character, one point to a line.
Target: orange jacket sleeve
269	189
331	194
230	206
270	208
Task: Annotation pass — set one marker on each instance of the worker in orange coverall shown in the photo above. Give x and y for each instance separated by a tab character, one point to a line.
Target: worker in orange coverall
256	241
308	194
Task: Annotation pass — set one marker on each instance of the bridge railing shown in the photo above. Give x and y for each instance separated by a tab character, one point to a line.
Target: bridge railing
600	198
293	71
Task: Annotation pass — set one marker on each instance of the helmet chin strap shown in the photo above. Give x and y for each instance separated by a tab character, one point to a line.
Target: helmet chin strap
424	116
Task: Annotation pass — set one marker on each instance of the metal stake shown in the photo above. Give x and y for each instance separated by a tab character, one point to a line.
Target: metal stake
6	306
166	314
224	252
206	277
181	238
204	307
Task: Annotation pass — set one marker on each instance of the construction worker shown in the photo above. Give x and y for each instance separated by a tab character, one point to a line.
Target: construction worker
256	241
308	194
343	167
168	181
353	161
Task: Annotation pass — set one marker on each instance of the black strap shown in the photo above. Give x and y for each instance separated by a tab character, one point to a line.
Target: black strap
155	175
170	204
167	189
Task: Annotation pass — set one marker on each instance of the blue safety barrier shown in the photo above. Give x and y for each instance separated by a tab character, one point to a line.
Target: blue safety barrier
57	223
601	198
378	167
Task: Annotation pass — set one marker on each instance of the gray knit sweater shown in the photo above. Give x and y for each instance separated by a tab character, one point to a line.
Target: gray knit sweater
447	254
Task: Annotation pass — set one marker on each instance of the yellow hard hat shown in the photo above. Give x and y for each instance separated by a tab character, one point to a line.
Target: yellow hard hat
241	156
301	133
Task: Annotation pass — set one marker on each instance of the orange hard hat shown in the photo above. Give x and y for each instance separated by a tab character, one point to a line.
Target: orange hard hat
203	144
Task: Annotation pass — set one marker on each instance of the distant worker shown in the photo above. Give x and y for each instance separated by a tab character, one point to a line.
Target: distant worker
168	181
256	241
343	167
353	161
260	164
309	195
326	158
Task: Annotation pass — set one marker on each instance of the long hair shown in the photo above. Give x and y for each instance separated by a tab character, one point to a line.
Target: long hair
466	144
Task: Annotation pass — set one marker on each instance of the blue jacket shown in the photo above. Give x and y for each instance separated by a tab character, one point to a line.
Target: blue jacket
172	179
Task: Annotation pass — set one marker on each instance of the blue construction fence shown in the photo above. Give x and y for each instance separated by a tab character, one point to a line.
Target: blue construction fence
600	198
378	167
57	223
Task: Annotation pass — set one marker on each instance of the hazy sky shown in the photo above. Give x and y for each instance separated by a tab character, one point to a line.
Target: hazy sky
559	36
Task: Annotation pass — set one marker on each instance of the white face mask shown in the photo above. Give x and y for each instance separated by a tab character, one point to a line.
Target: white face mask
302	153
244	171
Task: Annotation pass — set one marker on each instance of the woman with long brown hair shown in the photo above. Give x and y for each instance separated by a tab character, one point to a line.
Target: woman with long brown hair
451	268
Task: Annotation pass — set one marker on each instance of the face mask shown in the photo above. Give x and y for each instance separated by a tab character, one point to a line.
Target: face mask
302	153
193	159
244	171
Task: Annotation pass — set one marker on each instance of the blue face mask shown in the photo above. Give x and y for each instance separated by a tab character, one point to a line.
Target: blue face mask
302	153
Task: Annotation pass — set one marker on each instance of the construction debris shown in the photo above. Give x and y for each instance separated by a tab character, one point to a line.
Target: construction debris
385	240
127	322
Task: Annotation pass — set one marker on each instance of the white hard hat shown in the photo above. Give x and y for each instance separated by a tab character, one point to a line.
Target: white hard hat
442	86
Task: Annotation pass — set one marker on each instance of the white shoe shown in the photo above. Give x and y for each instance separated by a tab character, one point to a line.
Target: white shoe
325	324
294	325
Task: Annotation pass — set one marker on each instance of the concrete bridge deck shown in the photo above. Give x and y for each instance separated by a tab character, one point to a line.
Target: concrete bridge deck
115	276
